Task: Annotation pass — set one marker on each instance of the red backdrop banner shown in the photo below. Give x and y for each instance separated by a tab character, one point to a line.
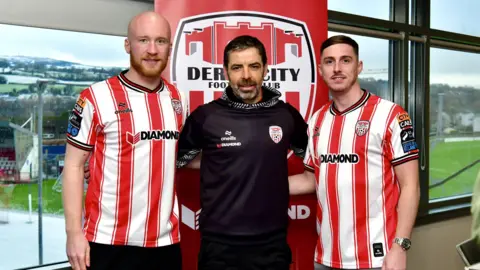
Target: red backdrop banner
292	34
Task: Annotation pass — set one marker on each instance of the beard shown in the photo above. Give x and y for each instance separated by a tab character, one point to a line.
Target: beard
246	96
149	72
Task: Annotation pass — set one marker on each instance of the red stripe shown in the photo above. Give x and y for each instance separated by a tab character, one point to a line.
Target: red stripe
360	189
293	98
391	191
312	101
156	179
175	232
319	247
174	94
318	125
217	94
93	198
196	99
149	186
332	189
125	160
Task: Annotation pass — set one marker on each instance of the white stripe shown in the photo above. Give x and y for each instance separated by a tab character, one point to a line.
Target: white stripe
322	147
345	190
141	170
375	179
106	222
169	122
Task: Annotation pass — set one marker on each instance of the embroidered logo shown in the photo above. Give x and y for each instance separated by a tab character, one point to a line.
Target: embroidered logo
276	133
361	128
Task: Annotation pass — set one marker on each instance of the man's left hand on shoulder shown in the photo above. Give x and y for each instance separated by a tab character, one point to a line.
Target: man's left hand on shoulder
396	259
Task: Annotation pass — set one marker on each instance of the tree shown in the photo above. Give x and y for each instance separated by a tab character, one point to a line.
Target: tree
55	91
3	64
31	88
13	93
68	90
3	80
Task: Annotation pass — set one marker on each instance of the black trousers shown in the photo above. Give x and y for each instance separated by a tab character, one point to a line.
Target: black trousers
275	255
104	257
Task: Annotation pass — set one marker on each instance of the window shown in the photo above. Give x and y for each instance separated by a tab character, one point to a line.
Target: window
454	122
61	64
379	9
374	54
459	16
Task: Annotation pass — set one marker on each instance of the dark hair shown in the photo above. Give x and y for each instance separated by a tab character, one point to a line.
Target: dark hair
241	43
340	39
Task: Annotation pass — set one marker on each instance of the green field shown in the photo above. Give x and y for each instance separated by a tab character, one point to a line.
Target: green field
448	158
6	88
52	200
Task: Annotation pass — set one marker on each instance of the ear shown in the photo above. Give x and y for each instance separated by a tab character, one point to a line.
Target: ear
265	71
360	67
127	45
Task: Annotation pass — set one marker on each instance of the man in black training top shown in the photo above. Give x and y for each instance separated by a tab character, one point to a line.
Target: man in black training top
244	137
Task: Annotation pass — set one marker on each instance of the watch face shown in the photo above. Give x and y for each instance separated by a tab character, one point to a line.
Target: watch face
406	243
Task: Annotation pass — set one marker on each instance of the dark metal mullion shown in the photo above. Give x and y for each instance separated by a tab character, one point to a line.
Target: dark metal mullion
416	28
373	23
420	92
454	37
398	56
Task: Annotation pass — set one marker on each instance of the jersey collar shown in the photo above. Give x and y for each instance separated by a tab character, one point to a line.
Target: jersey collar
270	98
352	108
137	87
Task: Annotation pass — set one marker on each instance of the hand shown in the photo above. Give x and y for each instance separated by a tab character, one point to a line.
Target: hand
396	259
78	251
86	172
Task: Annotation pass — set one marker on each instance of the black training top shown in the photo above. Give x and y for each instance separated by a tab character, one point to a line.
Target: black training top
244	174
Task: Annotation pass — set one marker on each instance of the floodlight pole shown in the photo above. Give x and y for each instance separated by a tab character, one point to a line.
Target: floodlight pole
40	87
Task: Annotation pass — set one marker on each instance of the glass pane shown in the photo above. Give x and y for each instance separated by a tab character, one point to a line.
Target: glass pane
374	54
59	64
379	9
462	16
454	122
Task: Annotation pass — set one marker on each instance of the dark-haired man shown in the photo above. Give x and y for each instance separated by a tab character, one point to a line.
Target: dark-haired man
362	163
244	137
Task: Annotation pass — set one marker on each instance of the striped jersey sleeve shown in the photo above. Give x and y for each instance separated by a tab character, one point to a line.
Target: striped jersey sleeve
309	153
81	128
402	142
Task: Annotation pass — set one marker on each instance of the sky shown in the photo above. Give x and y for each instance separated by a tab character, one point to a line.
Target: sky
454	68
83	48
446	66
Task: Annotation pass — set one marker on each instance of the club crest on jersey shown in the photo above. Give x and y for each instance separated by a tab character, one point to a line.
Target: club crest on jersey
361	128
177	106
197	55
276	133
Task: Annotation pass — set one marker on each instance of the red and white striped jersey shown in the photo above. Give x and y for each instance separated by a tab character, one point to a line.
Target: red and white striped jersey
353	154
133	132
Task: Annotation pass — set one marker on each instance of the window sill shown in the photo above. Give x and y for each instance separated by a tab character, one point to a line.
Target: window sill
444	213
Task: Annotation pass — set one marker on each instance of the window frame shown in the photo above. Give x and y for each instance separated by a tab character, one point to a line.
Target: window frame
52	15
414	36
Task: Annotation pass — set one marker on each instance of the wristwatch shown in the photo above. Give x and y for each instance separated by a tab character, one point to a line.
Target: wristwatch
403	242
